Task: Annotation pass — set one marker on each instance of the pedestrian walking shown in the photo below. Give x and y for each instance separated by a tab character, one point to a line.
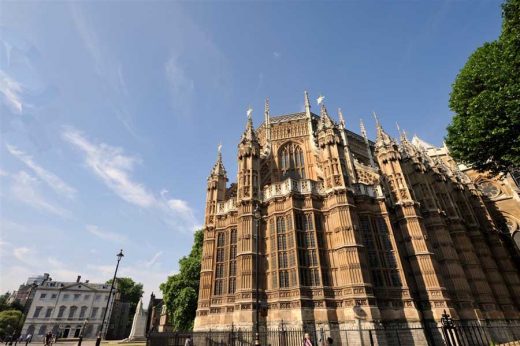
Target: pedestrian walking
189	341
28	339
48	339
307	340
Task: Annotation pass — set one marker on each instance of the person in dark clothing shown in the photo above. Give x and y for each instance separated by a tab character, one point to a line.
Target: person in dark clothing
48	339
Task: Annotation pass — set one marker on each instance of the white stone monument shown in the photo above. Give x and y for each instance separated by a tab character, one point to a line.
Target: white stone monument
139	323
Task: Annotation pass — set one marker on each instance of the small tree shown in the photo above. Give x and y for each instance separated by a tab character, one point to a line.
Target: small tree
181	291
485	131
10	322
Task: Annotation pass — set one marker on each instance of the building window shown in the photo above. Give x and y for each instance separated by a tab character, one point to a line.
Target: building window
489	189
43	295
42	329
37	311
232	260
284	278
66	296
291	161
86	297
77	296
219	264
98	297
93	313
82	312
380	253
48	313
283	258
53	296
72	312
61	311
307	250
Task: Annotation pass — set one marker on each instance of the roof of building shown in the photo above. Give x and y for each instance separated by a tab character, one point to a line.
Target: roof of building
288	117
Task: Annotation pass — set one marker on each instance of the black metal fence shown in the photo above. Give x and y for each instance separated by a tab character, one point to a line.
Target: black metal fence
460	334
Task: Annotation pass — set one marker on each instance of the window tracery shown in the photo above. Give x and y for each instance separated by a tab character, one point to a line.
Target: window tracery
291	160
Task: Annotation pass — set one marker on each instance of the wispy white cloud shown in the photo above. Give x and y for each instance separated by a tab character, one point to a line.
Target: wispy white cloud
20	253
51	179
11	91
154	259
87	35
25	189
115	169
105	235
277	55
181	85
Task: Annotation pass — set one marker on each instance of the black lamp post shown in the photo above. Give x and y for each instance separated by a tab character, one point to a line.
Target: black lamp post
100	334
257	215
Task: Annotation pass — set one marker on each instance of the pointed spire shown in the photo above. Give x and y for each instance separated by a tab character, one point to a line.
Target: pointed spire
365	137
378	124
325	120
218	168
363	129
267	125
307	104
382	136
266	112
341	120
402	133
249	133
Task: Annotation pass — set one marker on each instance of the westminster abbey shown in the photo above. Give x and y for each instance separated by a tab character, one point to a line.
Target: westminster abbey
348	230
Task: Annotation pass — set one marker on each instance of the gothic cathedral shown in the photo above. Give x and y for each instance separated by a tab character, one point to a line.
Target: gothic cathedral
349	229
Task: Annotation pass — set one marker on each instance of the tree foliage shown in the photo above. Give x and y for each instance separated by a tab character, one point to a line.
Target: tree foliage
180	291
10	322
130	290
485	131
4	305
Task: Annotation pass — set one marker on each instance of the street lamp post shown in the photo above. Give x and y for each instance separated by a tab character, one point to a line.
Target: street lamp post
100	334
257	215
82	331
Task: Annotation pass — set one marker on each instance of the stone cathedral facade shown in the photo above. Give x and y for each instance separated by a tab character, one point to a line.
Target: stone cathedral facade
351	230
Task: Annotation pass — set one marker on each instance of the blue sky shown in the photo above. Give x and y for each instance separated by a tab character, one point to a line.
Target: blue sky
111	111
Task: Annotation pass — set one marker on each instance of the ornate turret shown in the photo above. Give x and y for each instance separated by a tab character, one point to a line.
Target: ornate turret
248	165
383	138
332	152
216	189
218	169
325	120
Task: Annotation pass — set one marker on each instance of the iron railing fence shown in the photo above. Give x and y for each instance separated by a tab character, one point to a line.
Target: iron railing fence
462	334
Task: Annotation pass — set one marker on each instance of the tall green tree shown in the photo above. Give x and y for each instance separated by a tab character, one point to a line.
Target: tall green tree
4	305
130	290
10	322
181	291
485	131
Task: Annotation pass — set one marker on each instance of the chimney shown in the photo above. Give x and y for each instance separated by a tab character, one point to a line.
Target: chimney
79	278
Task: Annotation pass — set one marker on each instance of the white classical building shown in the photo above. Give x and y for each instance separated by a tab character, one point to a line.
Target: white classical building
64	308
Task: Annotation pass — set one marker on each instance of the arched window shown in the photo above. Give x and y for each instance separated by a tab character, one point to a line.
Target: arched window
292	163
42	329
72	312
83	311
61	311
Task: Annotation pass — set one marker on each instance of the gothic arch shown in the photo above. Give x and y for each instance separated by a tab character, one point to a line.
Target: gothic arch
291	160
